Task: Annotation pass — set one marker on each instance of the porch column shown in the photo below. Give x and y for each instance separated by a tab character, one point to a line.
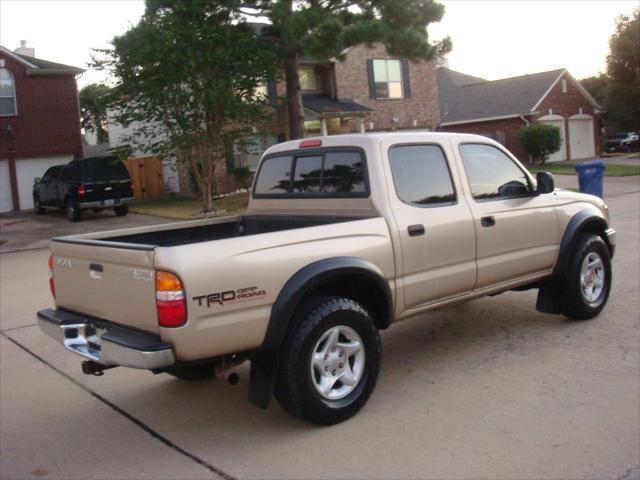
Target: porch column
361	125
323	127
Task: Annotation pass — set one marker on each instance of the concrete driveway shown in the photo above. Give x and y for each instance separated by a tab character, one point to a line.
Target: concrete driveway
491	389
28	231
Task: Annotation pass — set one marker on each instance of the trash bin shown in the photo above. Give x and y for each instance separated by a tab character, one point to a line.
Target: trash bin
590	175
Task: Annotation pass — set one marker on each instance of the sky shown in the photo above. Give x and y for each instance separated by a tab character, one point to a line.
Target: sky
491	39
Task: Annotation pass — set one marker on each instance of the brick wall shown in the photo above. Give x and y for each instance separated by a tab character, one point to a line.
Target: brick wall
48	117
352	82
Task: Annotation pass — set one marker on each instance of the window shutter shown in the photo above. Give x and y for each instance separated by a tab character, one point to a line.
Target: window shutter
272	92
230	159
406	80
372	80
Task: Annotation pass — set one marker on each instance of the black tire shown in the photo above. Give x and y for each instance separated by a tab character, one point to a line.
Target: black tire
37	207
201	371
72	210
121	210
577	305
295	389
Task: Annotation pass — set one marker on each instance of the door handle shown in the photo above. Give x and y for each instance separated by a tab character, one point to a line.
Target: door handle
489	221
415	230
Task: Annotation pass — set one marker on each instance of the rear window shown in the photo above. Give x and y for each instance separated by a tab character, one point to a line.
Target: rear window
328	173
108	168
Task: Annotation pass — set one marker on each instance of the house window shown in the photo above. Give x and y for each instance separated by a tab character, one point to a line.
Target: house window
307	78
387	75
7	94
247	151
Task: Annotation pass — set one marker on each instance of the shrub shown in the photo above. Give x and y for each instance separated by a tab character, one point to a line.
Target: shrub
243	176
540	140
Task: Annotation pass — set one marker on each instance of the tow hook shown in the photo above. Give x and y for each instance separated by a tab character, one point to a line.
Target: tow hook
89	367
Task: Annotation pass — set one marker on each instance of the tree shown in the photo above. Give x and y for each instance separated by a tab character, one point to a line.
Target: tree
540	140
93	110
323	29
623	70
186	81
597	87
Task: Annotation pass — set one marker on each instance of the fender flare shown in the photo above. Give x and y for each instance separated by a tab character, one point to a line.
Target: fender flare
581	221
308	277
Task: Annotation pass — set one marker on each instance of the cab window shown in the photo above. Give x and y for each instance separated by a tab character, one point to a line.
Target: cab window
492	174
421	175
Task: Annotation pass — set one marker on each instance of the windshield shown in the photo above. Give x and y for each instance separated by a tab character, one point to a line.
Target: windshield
108	168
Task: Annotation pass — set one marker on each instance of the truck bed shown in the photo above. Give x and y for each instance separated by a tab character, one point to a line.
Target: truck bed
185	233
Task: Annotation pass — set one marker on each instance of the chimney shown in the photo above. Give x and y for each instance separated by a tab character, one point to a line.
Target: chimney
24	50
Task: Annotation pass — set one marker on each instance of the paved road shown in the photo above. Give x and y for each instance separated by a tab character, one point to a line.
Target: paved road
490	389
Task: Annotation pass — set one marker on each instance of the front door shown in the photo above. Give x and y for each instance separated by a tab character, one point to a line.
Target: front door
435	225
516	229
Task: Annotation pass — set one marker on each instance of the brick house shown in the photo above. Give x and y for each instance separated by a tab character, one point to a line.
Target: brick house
39	122
498	109
367	91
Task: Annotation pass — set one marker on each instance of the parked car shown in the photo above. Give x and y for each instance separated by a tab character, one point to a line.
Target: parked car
624	142
343	236
89	183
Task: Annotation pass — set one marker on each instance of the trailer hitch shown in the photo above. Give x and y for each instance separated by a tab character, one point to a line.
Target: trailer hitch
89	367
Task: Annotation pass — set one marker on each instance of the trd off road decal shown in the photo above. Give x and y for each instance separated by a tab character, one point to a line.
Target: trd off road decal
227	297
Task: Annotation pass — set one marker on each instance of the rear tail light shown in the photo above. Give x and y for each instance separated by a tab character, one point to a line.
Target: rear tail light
170	300
82	191
51	284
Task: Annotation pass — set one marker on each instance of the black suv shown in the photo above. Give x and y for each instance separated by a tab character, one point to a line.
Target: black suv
96	183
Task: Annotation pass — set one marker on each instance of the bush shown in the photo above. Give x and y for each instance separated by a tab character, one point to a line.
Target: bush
243	176
540	140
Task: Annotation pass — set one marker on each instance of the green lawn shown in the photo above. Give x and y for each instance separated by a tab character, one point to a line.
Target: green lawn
180	207
611	170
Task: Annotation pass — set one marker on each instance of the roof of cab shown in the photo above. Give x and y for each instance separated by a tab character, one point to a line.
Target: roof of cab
361	139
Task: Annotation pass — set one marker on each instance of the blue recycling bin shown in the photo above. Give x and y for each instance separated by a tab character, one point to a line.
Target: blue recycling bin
590	177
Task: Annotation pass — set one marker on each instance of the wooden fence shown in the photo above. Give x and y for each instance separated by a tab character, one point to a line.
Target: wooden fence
146	175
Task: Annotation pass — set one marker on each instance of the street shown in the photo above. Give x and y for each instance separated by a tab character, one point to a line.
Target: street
489	389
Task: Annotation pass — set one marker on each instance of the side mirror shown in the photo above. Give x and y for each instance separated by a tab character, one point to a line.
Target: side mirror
545	183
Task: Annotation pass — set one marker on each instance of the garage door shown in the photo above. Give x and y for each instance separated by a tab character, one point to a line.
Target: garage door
27	169
6	204
557	121
581	141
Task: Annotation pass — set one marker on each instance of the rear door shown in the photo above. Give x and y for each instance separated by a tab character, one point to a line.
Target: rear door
435	224
115	284
516	229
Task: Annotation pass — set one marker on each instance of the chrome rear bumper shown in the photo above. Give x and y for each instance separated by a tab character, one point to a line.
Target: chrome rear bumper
104	342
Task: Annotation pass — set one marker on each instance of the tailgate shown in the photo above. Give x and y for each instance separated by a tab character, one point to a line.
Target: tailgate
115	284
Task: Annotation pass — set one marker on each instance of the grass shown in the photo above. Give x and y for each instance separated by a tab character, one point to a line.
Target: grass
181	207
611	170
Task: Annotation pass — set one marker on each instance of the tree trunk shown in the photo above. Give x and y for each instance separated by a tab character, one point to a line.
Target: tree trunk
294	95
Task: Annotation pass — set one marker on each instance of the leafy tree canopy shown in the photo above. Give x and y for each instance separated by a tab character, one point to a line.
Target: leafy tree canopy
93	110
540	140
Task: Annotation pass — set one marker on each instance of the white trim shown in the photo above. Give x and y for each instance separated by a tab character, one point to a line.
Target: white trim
551	116
581	116
544	95
21	60
576	84
486	119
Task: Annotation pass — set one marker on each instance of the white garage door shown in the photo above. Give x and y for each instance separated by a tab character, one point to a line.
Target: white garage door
6	204
557	121
27	169
581	139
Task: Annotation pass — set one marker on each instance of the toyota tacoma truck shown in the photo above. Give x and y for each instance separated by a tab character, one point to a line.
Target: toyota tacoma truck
343	236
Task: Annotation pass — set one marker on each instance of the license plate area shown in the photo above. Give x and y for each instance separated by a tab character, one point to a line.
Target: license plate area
84	339
108	203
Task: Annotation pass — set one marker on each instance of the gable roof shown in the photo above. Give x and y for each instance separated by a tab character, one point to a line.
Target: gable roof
37	66
464	98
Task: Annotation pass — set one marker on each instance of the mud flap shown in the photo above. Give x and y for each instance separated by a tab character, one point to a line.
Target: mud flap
262	380
551	296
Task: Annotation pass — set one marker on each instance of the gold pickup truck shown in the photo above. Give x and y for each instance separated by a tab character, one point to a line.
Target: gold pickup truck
344	235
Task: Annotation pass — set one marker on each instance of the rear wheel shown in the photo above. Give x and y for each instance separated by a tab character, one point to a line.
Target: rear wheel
588	278
121	210
72	209
37	206
330	362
